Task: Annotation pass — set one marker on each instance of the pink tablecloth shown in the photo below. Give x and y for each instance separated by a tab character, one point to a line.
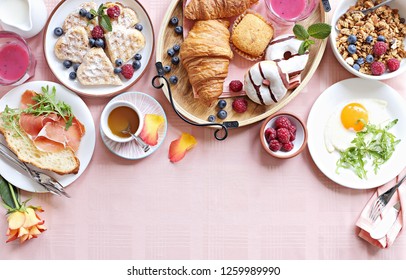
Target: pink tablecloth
225	200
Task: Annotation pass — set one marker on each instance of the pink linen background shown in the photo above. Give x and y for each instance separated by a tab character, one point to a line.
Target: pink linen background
225	200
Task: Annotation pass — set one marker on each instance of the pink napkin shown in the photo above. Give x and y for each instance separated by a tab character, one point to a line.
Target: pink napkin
366	226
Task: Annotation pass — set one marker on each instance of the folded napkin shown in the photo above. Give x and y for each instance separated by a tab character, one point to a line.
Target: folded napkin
366	226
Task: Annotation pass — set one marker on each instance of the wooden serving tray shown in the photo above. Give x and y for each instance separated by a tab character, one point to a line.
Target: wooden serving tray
182	92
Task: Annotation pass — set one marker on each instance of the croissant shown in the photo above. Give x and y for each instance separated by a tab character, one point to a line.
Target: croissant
206	54
215	9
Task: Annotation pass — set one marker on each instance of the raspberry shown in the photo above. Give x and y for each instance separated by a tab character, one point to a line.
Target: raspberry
292	136
292	129
113	12
287	146
393	64
380	48
270	134
127	71
283	135
235	86
377	68
97	32
275	145
282	122
240	105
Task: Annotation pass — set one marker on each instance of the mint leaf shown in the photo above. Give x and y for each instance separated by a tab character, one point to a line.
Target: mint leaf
302	48
319	30
300	32
93	12
105	23
101	9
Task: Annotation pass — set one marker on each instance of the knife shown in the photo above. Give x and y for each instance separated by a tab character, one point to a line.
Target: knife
383	227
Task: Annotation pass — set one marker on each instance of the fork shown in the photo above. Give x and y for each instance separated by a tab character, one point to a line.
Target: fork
382	201
47	182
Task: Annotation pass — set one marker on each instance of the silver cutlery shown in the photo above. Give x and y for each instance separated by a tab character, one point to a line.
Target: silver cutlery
383	227
144	146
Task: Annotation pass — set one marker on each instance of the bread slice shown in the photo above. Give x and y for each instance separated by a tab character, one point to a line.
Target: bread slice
62	162
73	45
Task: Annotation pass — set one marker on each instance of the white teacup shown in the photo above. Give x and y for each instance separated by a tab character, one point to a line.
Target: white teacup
116	117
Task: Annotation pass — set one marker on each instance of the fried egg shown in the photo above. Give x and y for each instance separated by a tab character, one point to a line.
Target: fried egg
349	118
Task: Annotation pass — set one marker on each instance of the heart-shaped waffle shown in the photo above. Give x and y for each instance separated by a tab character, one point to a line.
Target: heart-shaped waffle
127	18
73	45
96	69
75	19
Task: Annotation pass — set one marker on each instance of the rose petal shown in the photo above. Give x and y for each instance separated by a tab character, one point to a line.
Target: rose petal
179	147
149	133
30	218
16	220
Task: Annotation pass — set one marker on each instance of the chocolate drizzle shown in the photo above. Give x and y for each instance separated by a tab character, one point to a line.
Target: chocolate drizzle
258	87
282	40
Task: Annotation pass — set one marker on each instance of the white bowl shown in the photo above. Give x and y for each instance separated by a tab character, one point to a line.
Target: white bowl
342	7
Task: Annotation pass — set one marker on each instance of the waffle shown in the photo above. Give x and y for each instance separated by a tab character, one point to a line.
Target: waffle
96	69
73	45
128	18
74	19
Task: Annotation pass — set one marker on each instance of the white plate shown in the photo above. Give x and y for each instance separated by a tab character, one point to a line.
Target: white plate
147	105
18	177
342	93
57	17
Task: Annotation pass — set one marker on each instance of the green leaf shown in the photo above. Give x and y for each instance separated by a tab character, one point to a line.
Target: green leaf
105	23
6	195
302	48
319	30
101	9
93	12
300	32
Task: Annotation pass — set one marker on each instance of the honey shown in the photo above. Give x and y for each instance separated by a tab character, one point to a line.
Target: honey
120	118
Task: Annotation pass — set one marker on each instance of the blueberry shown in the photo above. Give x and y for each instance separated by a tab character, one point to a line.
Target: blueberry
222	114
171	52
119	62
83	12
138	26
211	118
58	31
352	39
360	61
175	60
222	103
176	48
99	43
179	30
76	66
381	38
167	68
138	56
174	21
356	67
369	58
117	70
91	42
369	39
352	49
173	79
89	16
402	20
67	63
136	64
72	75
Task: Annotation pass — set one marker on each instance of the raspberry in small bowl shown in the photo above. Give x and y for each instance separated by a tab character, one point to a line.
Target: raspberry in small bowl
283	135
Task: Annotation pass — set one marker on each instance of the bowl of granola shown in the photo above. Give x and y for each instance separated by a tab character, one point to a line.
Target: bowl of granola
370	45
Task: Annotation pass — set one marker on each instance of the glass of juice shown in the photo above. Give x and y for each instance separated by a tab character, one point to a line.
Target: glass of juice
288	12
17	64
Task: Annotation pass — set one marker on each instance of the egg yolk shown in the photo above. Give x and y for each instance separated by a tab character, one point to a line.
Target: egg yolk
352	114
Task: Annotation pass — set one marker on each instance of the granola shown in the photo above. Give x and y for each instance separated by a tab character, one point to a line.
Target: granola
384	21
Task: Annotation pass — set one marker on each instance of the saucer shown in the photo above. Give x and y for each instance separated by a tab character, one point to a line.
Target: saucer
147	105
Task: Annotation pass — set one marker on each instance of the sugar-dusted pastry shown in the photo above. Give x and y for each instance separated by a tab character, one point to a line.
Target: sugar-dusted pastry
123	43
97	69
215	9
73	45
251	35
206	54
284	50
264	84
127	18
74	19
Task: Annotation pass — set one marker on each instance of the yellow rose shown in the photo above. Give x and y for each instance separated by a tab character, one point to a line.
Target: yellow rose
25	224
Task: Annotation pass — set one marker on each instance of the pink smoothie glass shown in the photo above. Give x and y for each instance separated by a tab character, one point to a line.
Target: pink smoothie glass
287	12
17	64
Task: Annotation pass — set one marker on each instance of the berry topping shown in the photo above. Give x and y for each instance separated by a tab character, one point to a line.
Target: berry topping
175	60
356	67
174	21
288	146
381	38
97	32
179	30
173	79
167	68
292	136
67	63
171	52
211	118
352	39
76	66
283	135
380	48
91	42
275	145
352	49
222	114
235	85
292	129
402	20
136	64
369	39
222	104
377	68
283	122
138	26
58	31
138	56
127	71
113	12
72	75
360	60
82	12
119	62
393	64
117	70
89	16
99	43
369	58
270	134
240	105
176	47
